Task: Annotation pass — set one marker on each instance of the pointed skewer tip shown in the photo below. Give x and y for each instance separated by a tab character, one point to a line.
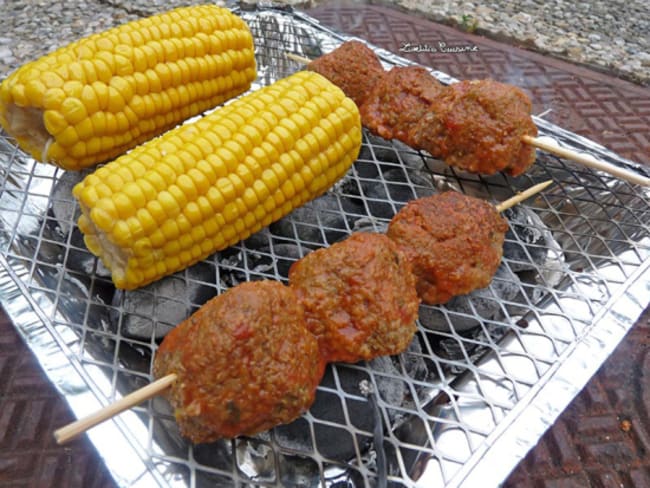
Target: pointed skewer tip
520	197
298	58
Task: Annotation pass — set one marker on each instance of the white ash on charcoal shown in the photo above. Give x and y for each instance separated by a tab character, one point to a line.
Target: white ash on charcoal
379	151
255	456
465	312
623	218
413	364
390	387
285	254
398	186
271	251
527	241
349	477
271	261
321	221
63	206
380	196
532	251
333	442
370	224
299	471
152	311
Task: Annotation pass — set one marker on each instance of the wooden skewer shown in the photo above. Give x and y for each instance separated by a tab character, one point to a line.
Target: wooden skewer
584	159
78	427
72	430
588	160
298	58
520	197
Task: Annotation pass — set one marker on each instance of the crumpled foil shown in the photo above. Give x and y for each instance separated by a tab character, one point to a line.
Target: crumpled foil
486	374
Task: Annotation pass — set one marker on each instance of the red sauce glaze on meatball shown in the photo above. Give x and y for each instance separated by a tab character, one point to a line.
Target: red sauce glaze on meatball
453	241
477	126
245	363
359	297
399	101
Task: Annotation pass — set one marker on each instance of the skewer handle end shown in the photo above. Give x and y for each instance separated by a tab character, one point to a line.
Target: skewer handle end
588	160
78	427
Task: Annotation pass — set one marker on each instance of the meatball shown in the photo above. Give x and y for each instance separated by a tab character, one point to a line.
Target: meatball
399	101
454	243
353	67
245	363
359	297
477	126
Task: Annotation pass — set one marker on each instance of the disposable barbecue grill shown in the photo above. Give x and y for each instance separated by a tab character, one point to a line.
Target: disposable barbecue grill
485	375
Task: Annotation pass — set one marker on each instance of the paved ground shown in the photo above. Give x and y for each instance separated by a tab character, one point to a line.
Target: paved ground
612	36
608	35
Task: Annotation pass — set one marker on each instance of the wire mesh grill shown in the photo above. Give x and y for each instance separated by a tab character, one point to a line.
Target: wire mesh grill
423	418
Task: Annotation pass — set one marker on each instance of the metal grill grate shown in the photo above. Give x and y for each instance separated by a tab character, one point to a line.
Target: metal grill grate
574	276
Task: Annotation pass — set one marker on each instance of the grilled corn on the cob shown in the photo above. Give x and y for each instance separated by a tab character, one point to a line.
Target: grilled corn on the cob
102	95
208	184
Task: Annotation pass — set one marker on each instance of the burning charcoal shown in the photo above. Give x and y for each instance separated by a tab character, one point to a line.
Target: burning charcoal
379	205
336	442
414	363
465	311
332	442
285	256
527	240
155	309
399	185
63	206
320	221
369	224
391	389
379	150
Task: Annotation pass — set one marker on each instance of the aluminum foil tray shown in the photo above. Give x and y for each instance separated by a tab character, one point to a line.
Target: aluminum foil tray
484	377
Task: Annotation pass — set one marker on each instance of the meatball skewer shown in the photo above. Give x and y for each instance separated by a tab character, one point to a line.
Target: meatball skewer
223	348
241	364
251	358
454	242
480	126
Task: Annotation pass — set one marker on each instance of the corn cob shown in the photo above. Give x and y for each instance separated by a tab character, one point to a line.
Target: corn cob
102	95
208	184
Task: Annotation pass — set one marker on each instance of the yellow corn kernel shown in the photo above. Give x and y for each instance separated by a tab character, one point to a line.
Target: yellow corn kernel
194	191
143	78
